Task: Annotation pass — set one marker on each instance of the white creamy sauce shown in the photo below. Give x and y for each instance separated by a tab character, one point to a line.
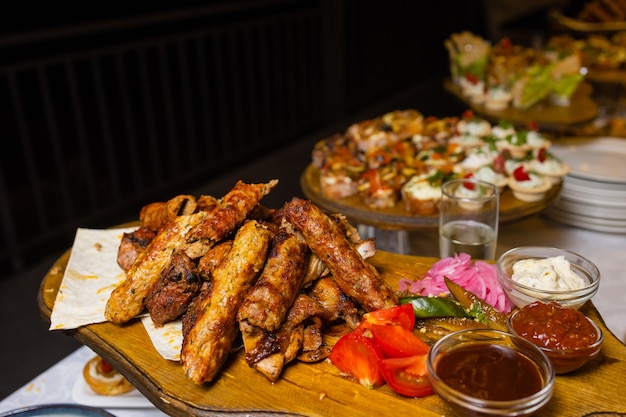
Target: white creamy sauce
419	187
486	173
535	139
549	166
547	274
502	132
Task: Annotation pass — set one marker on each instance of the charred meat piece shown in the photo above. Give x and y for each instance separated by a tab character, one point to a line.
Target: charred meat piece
195	307
300	335
207	202
230	211
210	261
357	278
267	302
334	302
127	299
179	284
269	352
132	245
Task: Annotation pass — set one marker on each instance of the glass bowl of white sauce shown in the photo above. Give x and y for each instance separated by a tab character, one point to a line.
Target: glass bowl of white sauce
537	273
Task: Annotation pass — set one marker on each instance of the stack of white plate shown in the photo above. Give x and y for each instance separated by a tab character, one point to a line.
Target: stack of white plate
594	192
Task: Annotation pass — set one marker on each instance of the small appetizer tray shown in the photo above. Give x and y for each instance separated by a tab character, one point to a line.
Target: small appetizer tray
576	25
398	218
581	109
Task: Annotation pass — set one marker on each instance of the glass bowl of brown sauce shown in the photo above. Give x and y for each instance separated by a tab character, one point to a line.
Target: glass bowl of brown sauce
485	372
567	337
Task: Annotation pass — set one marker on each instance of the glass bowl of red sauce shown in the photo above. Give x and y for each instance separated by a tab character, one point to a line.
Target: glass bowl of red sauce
567	337
485	372
538	273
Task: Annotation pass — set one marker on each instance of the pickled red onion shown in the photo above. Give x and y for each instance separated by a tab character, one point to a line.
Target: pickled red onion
478	278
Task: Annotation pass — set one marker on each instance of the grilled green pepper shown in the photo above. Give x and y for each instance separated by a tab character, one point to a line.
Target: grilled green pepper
427	307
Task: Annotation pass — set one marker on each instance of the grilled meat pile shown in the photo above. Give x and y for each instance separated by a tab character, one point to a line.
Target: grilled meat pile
230	266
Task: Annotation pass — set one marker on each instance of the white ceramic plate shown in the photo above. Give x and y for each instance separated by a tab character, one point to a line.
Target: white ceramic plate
585	222
599	159
83	394
592	199
609	188
582	208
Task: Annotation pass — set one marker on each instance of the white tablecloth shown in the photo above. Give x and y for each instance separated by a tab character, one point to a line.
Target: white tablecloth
55	385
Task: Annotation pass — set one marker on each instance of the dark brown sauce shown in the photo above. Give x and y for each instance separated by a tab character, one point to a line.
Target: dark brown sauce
489	372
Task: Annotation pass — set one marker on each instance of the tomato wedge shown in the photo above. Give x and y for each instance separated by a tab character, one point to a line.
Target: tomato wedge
359	356
407	376
400	315
398	342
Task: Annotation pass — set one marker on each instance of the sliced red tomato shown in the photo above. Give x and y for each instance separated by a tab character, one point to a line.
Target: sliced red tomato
520	174
468	114
398	342
469	185
541	155
398	316
359	356
407	376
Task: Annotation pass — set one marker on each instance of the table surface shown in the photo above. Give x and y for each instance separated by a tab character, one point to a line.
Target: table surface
55	384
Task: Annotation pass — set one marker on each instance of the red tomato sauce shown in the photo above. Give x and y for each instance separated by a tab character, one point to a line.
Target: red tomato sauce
490	372
554	326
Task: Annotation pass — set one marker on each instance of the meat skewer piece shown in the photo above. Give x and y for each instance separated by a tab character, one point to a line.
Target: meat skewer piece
317	269
300	335
156	215
267	303
230	211
211	259
127	299
208	342
132	244
354	276
171	294
209	227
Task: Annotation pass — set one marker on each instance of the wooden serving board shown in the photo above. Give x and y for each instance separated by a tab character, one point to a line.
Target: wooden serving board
316	389
398	218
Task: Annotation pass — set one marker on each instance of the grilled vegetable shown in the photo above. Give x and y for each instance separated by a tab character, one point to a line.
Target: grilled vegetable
432	329
426	307
476	307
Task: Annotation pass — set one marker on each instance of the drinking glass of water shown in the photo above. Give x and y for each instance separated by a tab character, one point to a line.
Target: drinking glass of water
468	218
